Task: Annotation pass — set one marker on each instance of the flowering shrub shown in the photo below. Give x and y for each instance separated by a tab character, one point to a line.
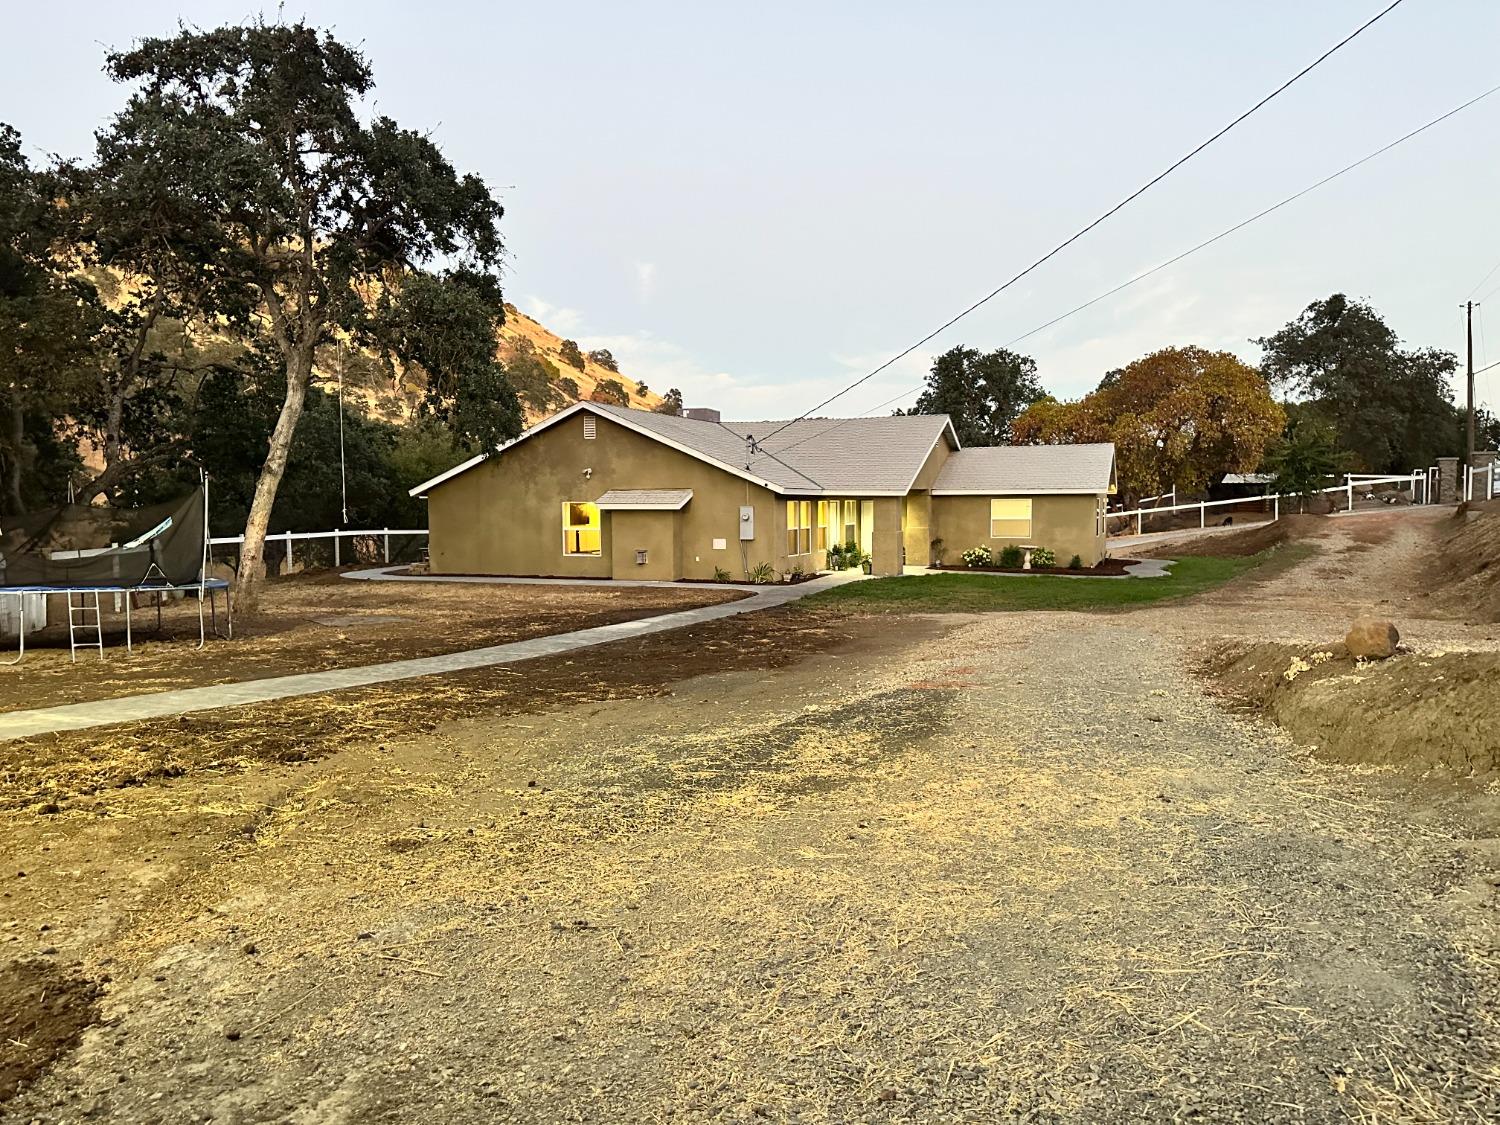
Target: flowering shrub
978	556
1043	556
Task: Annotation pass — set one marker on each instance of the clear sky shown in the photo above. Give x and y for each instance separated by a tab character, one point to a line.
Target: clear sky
759	202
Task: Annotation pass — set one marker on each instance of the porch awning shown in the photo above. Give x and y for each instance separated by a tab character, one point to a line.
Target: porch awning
644	499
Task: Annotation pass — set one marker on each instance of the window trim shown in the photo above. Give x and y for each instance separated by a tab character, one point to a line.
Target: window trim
570	529
995	520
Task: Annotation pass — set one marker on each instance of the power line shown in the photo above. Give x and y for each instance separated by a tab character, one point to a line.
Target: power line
1084	230
1210	241
1485	278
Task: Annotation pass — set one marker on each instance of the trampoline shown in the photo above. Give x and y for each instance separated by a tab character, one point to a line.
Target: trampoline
165	552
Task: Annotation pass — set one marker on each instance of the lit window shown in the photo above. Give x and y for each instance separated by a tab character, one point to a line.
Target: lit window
822	540
580	528
798	527
1010	518
851	534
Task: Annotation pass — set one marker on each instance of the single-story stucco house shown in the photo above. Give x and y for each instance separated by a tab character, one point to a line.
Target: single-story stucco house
602	491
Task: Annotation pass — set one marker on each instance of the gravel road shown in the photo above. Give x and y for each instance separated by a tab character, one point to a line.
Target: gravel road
1015	868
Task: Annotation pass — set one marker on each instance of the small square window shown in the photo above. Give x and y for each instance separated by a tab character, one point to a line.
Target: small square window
1010	518
581	531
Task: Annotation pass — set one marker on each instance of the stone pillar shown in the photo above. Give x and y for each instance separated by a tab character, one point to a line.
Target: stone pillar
1449	480
886	542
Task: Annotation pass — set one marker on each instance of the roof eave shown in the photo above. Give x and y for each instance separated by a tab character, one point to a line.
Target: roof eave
442	478
1097	491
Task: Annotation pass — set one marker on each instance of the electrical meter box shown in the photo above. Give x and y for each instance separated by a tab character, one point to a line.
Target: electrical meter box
747	522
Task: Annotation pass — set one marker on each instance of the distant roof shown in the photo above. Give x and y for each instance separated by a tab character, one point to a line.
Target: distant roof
1249	478
1028	468
844	456
645	499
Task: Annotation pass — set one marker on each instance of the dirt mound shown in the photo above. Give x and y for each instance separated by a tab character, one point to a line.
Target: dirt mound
43	1013
1469	566
1226	545
1415	712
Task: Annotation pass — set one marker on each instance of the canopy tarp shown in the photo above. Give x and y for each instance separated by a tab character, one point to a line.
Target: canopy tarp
104	547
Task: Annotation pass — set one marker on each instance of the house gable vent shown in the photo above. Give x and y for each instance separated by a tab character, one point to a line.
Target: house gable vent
588	429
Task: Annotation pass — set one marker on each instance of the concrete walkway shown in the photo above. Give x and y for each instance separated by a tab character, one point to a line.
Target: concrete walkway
157	705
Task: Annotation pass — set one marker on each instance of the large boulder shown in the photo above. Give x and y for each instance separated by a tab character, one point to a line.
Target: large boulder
1372	638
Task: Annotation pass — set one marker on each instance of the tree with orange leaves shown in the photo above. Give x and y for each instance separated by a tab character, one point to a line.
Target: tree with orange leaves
1179	417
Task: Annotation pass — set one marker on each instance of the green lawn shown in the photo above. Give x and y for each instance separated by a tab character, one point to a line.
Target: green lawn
968	593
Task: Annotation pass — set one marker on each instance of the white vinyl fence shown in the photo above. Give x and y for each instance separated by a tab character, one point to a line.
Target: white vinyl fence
1480	483
1356	485
284	541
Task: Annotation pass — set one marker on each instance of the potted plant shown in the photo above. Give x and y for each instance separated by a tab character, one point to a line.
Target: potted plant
836	557
852	554
866	563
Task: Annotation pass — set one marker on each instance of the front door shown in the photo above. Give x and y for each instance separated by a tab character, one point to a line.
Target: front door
867	526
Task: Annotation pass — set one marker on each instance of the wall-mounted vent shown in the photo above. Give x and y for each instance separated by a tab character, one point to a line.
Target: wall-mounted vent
588	429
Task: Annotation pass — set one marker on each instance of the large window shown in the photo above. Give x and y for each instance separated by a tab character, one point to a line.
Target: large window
580	528
798	527
851	525
1010	518
821	543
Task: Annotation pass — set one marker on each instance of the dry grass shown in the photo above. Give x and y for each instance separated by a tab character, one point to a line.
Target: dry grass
930	886
314	622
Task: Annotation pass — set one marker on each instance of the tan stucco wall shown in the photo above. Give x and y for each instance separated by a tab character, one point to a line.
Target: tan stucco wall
505	515
1066	524
934	463
888	535
656	533
916	533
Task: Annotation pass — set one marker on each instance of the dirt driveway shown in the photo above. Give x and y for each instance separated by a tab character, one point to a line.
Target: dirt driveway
1017	868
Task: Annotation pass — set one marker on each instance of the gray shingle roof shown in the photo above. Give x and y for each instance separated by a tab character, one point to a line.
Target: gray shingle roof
1028	468
816	454
649	498
850	456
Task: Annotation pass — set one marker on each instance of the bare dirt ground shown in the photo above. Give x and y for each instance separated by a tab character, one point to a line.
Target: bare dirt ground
1022	867
313	622
1388	564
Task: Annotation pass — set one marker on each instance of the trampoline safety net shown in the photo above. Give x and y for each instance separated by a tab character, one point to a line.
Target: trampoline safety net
157	546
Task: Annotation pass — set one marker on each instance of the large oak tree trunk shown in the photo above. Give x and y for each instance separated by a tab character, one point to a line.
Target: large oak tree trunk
252	569
17	455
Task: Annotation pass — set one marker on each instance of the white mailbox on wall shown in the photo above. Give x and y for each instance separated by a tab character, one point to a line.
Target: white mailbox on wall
747	521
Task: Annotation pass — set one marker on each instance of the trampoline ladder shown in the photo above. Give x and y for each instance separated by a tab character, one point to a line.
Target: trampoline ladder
81	624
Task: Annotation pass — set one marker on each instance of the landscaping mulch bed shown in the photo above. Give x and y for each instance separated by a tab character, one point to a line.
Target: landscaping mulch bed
1105	568
794	580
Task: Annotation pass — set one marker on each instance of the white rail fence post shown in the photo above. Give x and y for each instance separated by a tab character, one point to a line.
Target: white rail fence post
1365	482
288	538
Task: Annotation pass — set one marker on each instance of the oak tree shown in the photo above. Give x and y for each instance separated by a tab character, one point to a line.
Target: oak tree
1390	407
315	206
1179	417
982	392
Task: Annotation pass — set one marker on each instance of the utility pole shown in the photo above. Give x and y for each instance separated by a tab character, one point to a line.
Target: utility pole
1469	440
